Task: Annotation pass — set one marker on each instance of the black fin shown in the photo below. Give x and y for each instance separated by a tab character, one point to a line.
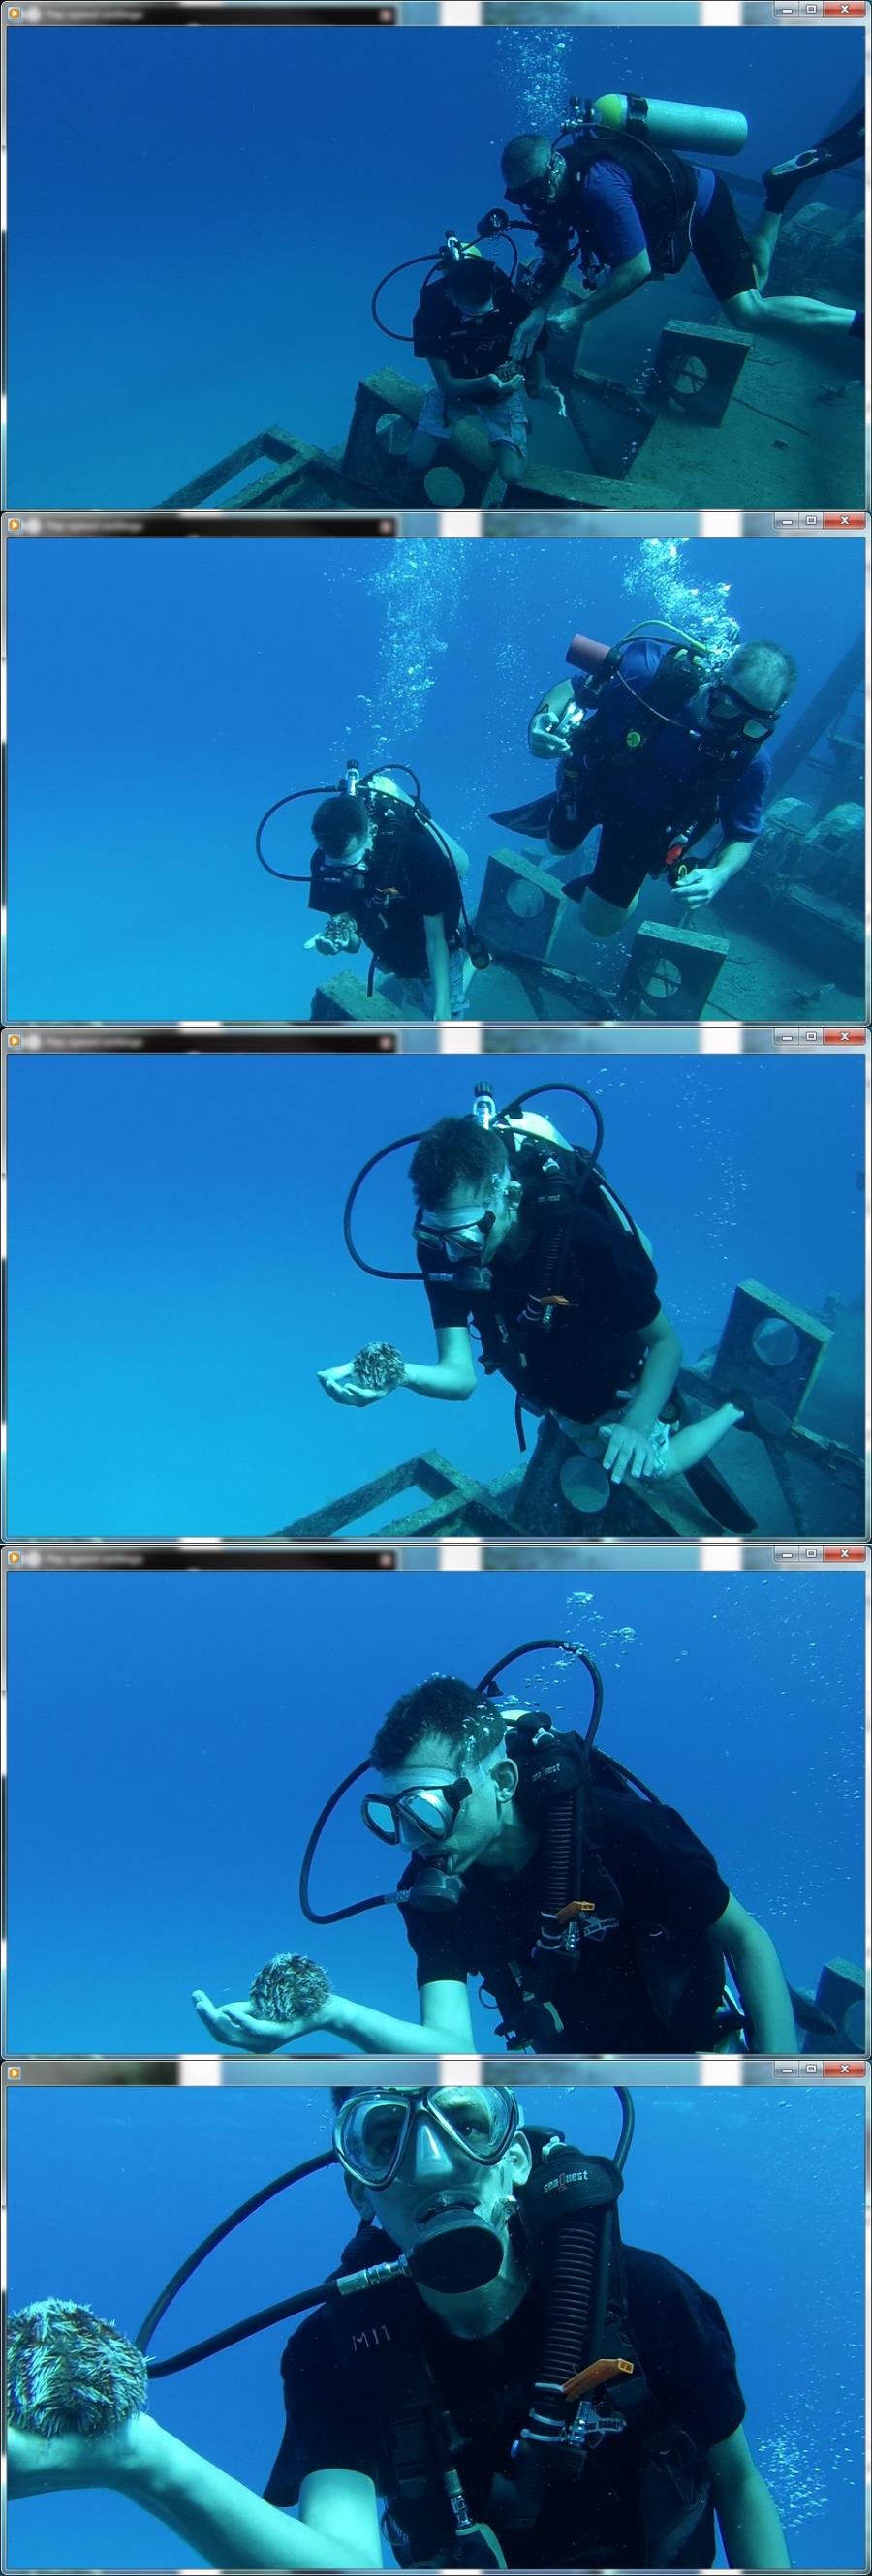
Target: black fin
712	1490
532	818
833	153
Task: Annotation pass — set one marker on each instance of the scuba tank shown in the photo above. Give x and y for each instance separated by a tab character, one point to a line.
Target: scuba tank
586	655
666	120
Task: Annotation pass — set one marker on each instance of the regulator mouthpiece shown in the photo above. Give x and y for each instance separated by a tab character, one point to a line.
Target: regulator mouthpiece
456	2252
436	1888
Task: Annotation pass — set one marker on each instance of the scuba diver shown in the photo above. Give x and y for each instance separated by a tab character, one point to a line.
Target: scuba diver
498	2381
390	879
592	1914
464	326
615	194
656	745
518	1233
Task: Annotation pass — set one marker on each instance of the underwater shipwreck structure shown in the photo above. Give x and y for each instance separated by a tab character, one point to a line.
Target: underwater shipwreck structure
788	1477
715	416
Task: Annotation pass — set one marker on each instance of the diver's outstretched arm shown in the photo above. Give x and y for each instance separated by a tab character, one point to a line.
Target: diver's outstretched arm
760	1979
445	2026
225	2522
451	1378
749	2519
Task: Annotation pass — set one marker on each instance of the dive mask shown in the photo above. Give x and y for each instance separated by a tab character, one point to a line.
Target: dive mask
468	1232
372	2129
536	194
729	712
419	1812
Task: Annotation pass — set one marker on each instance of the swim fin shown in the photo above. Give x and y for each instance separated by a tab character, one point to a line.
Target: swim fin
532	819
717	1497
836	150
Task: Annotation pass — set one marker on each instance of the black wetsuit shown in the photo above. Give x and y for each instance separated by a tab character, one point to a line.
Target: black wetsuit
610	1993
408	881
343	2377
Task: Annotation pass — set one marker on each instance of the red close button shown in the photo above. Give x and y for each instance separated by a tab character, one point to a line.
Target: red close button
844	1556
843	1037
844	2066
844	519
844	8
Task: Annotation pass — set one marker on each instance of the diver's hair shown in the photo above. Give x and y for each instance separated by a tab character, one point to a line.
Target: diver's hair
471	281
336	823
525	158
456	1149
771	660
470	1726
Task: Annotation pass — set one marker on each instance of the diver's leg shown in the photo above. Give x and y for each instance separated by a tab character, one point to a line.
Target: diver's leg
509	462
611	893
602	919
731	267
786	316
696	1440
762	244
422	451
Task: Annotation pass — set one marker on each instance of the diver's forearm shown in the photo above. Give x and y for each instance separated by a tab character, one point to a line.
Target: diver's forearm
614	290
225	2522
379	2034
733	856
751	2527
418	1379
440	975
660	1370
476	388
761	1982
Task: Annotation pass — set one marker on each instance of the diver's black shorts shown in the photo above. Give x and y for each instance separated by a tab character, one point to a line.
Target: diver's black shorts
720	248
631	848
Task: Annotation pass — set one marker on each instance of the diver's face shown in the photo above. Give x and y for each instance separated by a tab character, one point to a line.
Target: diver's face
436	2172
468	1223
542	187
469	312
356	853
742	703
435	1764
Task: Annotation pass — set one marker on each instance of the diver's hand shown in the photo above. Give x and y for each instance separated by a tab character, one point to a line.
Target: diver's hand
628	1452
511	384
341	1385
698	887
239	2026
524	339
38	2464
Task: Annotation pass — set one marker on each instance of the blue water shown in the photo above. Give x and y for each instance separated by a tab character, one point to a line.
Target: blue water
232	195
177	1273
185	687
759	2196
194	1730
